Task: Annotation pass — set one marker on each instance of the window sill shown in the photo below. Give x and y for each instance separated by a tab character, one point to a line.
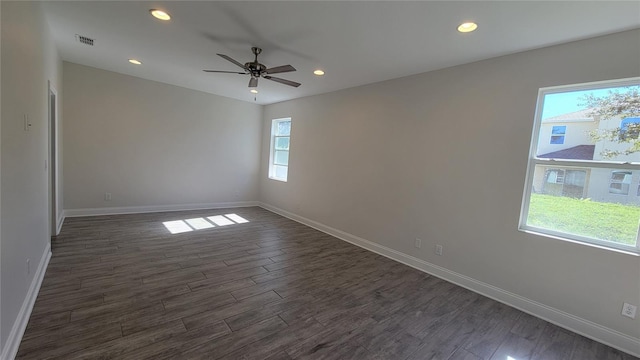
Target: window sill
630	251
278	179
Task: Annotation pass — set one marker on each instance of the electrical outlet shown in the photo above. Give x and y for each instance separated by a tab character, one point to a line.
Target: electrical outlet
107	196
629	310
418	243
439	250
28	266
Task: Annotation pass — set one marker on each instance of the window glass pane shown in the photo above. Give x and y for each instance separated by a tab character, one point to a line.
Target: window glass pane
280	172
281	158
629	128
283	128
280	140
575	177
582	203
597	124
620	182
282	143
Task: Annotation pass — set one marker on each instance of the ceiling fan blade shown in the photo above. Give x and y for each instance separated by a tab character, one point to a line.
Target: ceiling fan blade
280	69
227	72
231	60
253	82
283	81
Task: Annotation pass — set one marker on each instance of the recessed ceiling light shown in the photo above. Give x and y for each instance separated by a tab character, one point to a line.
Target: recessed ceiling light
135	62
254	91
319	72
159	14
467	27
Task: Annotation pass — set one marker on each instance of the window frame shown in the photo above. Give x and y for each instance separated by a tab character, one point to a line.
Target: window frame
272	149
568	164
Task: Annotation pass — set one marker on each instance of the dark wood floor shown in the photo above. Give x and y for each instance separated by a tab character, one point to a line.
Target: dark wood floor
124	287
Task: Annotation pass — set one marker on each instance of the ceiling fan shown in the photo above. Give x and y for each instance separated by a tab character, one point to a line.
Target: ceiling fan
257	70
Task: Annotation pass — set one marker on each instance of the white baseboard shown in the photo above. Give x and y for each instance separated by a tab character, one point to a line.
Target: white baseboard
60	221
154	208
20	325
563	319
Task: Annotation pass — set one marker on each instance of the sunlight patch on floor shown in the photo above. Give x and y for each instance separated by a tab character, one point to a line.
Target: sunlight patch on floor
186	225
220	220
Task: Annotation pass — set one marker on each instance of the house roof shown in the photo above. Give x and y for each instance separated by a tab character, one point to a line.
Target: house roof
580	152
580	115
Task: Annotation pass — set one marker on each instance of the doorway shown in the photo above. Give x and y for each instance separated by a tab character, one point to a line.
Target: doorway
53	161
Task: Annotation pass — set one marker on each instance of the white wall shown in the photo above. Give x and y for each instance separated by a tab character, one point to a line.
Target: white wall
29	60
151	144
442	156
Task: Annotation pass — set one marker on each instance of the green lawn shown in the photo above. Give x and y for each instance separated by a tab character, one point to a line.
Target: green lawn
605	221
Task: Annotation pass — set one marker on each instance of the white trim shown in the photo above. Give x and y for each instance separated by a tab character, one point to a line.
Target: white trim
20	325
272	149
154	208
563	319
53	157
61	218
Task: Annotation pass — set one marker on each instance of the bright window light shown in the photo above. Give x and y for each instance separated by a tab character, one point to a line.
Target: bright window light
584	165
279	152
237	218
199	223
177	226
220	220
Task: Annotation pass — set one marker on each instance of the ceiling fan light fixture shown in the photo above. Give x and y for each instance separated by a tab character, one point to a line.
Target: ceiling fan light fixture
467	27
135	62
257	70
160	14
318	72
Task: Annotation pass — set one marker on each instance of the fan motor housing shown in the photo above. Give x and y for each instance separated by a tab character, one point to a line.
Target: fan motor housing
255	68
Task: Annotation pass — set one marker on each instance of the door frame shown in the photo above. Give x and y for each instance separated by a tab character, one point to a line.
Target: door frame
53	159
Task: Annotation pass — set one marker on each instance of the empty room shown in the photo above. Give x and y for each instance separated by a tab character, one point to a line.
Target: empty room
320	180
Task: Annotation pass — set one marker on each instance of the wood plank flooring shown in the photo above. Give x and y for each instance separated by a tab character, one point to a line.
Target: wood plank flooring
124	287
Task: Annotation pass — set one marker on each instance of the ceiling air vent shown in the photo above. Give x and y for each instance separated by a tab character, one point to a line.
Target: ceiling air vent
84	40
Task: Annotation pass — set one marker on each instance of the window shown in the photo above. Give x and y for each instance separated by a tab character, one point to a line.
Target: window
629	128
555	176
620	182
564	182
279	152
580	190
557	134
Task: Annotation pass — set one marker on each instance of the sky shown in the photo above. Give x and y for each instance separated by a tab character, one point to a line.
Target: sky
566	102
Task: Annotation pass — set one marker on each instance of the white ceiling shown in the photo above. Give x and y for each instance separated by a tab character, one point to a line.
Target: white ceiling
356	42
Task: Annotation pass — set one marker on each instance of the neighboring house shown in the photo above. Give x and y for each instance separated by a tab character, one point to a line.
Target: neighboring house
567	136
